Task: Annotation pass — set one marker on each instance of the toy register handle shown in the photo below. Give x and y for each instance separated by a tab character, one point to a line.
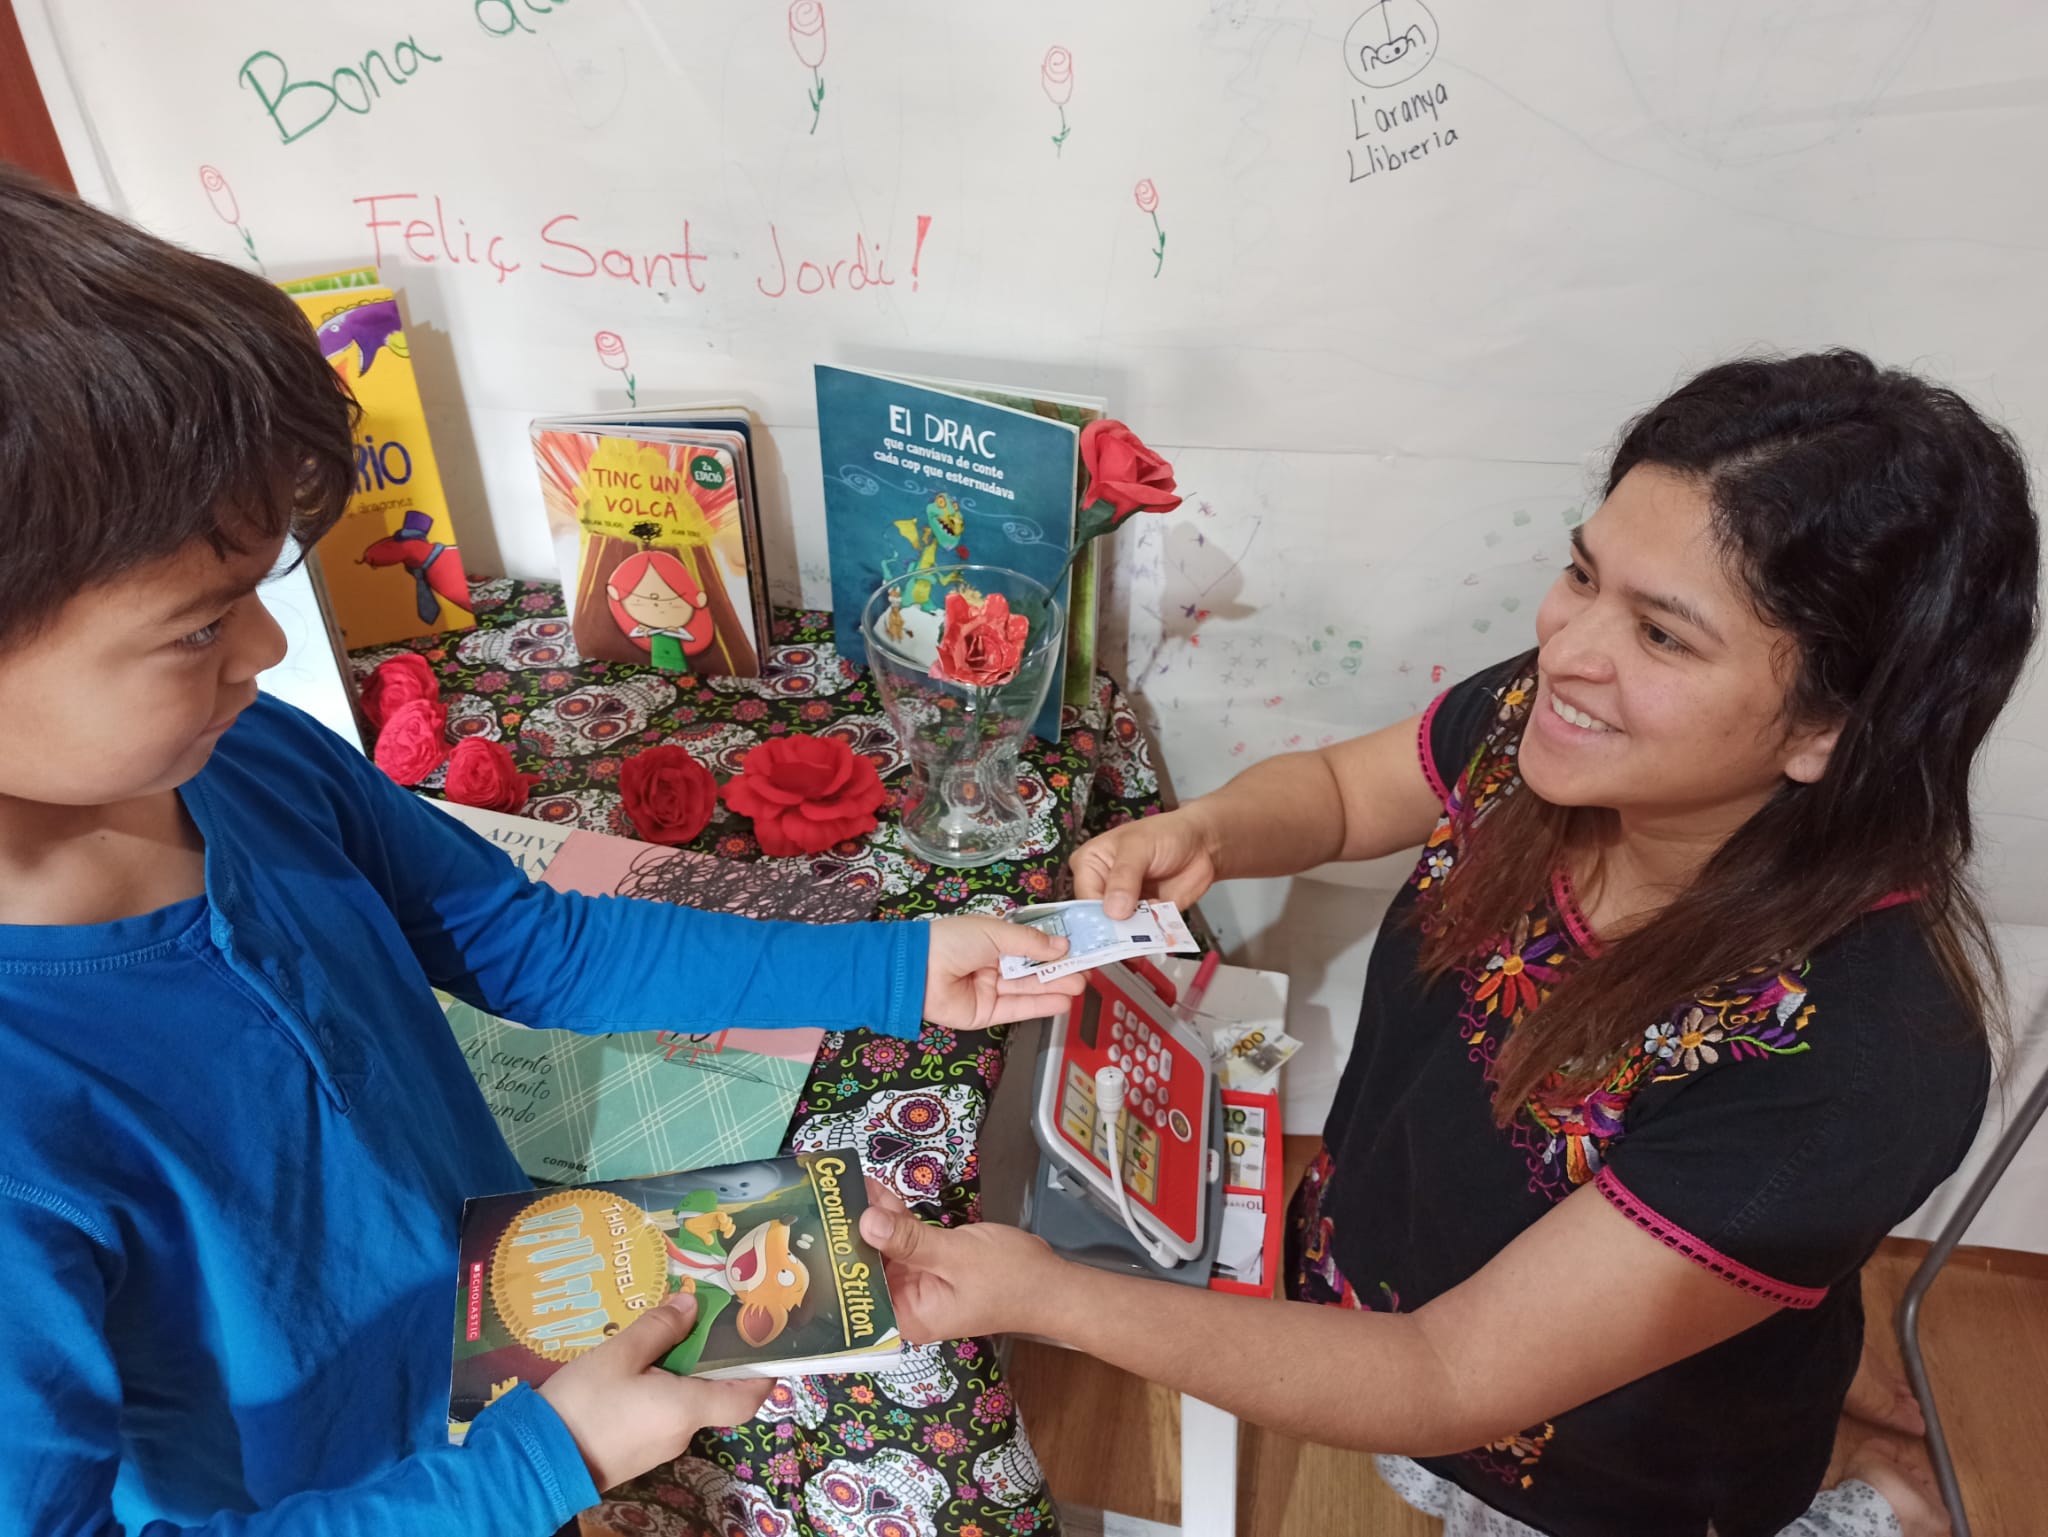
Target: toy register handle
1154	978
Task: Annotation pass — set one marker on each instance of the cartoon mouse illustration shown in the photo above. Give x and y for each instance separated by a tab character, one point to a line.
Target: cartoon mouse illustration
660	607
762	1272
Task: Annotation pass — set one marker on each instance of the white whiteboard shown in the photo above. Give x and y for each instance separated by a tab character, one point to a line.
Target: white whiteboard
1384	383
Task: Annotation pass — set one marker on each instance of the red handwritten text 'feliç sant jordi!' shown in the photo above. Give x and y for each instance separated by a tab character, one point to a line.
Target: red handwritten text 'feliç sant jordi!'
418	227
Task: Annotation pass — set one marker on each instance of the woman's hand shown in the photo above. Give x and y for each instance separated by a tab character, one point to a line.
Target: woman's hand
950	1283
1172	857
965	990
628	1415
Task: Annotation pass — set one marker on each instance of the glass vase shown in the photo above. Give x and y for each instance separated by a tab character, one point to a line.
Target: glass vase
961	808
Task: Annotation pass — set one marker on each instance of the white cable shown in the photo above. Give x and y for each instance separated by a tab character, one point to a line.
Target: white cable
1110	1086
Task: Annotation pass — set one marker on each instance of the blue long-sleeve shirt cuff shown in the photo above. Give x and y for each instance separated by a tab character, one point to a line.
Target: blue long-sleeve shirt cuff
520	1449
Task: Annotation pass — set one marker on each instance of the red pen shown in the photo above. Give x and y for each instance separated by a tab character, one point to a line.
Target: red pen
1192	998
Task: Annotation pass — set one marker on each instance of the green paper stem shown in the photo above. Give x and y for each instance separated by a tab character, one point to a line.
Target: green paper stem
1092	522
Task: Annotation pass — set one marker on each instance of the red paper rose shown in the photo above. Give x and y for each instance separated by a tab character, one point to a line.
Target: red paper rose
1124	472
983	643
414	741
481	773
668	794
392	683
805	793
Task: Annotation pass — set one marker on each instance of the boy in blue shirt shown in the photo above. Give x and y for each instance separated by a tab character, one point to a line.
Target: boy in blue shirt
235	1131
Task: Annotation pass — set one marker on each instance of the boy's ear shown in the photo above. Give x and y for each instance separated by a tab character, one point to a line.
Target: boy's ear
611	591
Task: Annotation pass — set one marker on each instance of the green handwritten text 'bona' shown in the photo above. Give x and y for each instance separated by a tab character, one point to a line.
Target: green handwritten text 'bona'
297	107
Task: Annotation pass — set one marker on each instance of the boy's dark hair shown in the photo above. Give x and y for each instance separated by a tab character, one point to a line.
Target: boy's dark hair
149	396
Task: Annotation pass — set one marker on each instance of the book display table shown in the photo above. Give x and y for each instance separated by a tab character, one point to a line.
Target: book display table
935	1445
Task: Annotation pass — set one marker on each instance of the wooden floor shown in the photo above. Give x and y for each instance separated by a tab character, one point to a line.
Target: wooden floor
1111	1442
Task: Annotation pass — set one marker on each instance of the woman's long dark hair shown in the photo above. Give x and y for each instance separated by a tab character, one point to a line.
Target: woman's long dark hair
1885	528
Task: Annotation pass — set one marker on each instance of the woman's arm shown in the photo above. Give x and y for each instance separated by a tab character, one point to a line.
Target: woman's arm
1355	800
1578	1305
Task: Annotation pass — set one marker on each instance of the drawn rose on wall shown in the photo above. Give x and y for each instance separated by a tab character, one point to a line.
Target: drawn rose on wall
1147	197
611	352
807	37
1056	78
228	210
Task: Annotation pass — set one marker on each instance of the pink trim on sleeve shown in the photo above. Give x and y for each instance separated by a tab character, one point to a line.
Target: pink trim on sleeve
1896	899
1704	1254
1436	781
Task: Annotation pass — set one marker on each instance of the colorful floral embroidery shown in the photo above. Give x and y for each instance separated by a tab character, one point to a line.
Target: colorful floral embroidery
1489	774
1515	977
1512	1458
1314	1276
1437	857
1763	1013
1691	1040
1564	1137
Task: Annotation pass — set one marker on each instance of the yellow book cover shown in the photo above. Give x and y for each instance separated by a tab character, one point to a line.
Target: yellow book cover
391	566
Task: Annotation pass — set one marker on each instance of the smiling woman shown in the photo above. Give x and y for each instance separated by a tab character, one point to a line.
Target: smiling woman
1806	597
1684	1008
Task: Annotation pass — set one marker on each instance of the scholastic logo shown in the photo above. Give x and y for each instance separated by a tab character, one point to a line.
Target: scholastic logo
476	1299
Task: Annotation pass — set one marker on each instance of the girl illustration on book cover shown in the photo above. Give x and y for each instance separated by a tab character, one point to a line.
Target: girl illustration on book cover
660	608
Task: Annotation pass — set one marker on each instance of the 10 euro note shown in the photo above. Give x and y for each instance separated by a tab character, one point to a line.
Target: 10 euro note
1096	939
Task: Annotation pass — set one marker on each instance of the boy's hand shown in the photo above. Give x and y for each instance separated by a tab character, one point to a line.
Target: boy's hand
953	1283
626	1413
965	990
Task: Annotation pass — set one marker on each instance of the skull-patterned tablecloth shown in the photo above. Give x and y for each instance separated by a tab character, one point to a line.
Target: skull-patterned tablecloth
935	1446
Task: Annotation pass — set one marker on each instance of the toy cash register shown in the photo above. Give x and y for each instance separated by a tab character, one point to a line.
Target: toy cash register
1122	1036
